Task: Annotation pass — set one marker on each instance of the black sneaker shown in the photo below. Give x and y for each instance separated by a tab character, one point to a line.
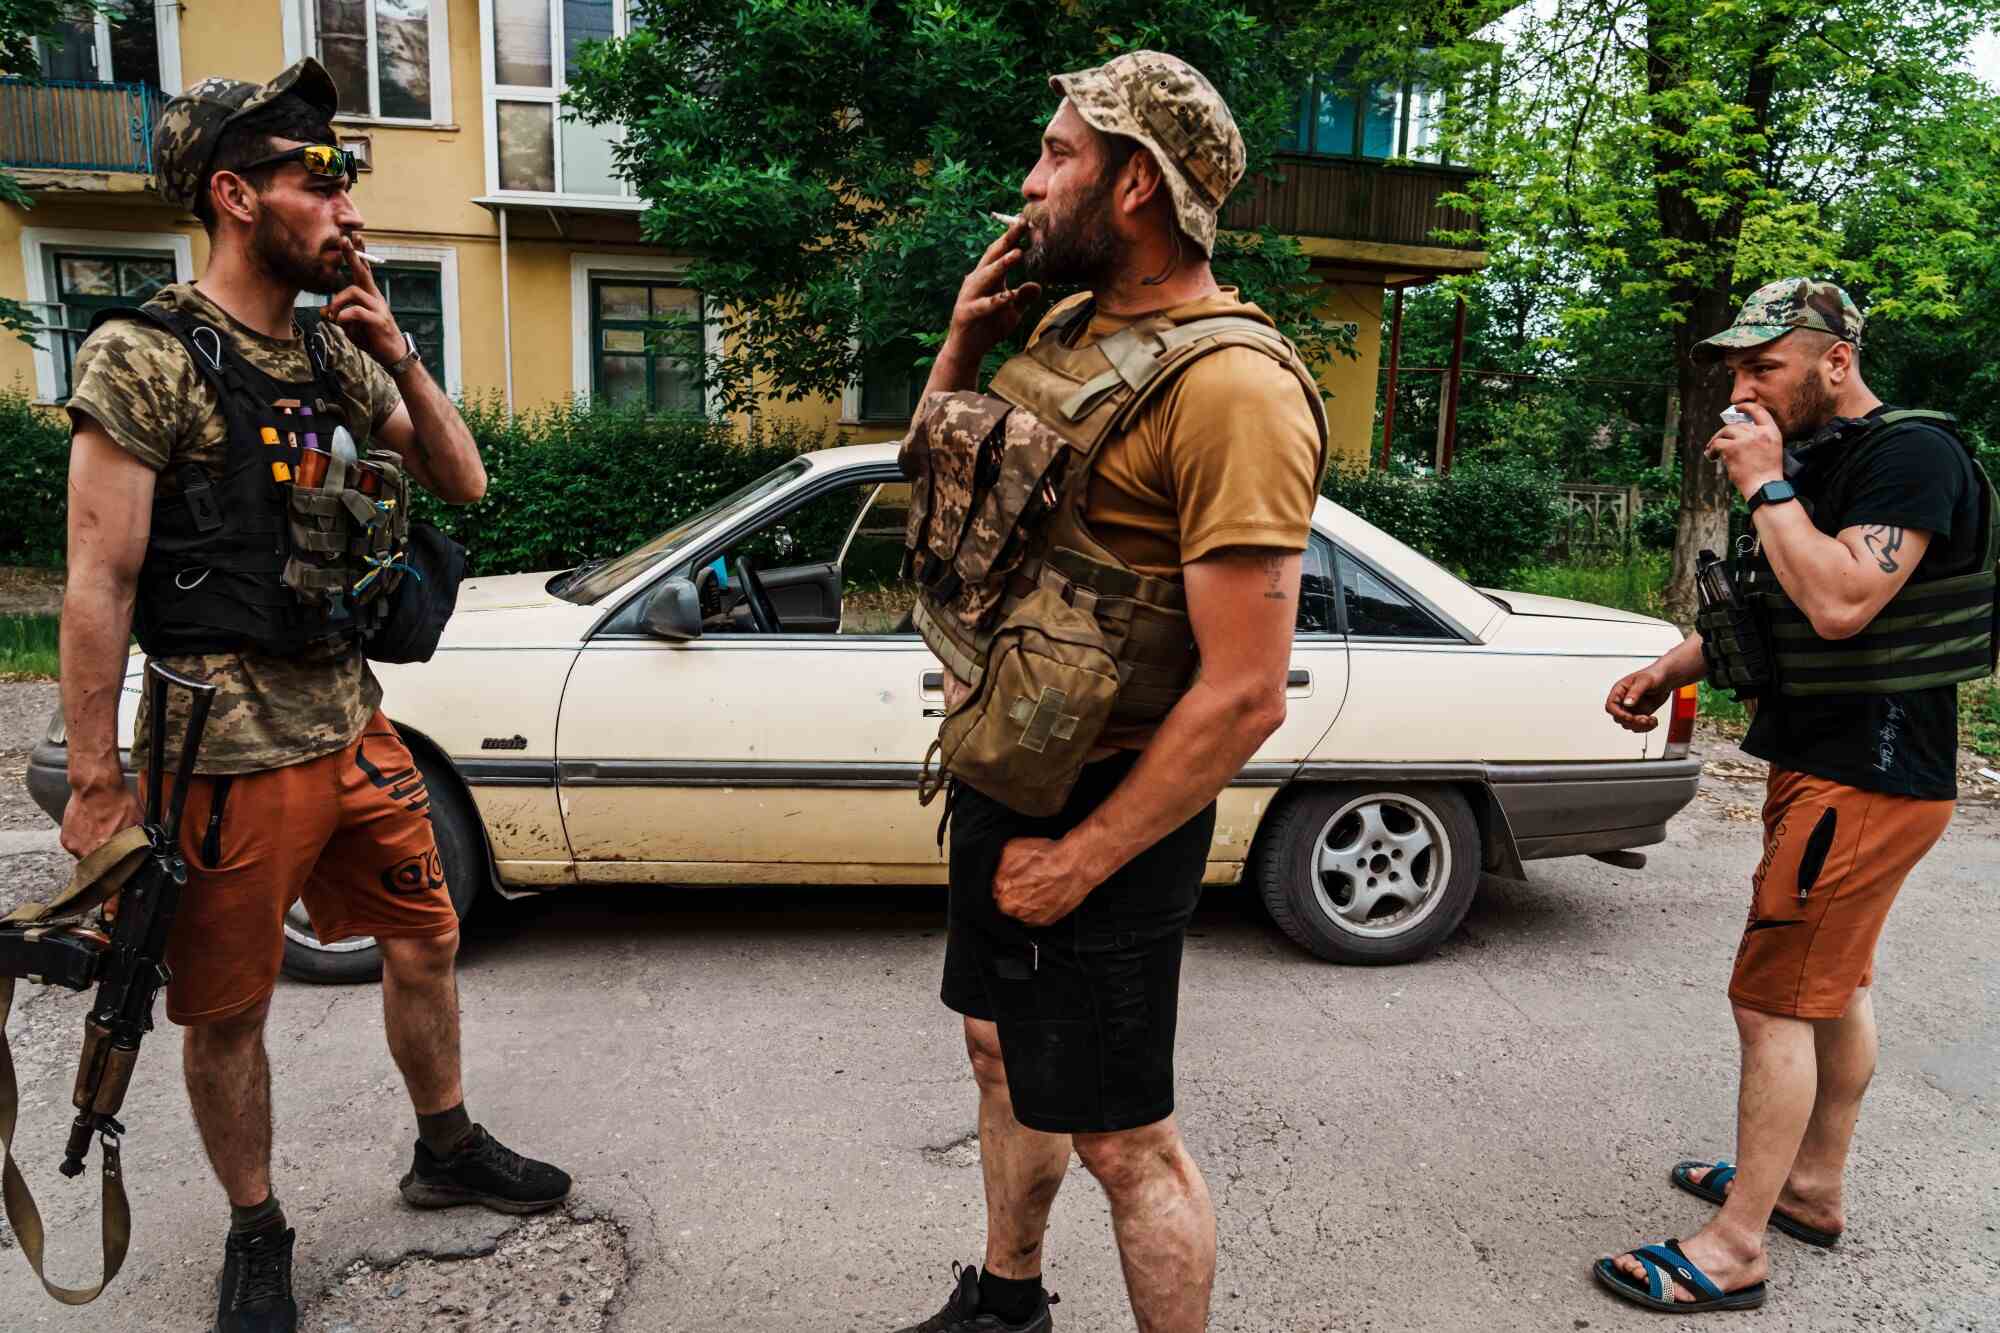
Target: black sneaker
483	1170
961	1313
254	1293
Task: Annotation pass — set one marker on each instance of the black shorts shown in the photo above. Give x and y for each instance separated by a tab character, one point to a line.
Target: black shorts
1085	1007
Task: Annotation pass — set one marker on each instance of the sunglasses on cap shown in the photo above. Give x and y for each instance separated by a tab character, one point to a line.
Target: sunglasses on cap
319	159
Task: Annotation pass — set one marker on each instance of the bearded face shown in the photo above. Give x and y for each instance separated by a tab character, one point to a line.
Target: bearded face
1072	242
1808	407
290	257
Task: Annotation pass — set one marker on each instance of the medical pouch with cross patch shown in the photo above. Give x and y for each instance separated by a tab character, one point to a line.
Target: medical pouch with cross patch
1047	691
1008	570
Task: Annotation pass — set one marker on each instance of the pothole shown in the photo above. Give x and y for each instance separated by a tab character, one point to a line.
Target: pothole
554	1274
959	1152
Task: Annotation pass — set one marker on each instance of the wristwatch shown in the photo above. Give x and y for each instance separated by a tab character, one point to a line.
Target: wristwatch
1772	492
409	358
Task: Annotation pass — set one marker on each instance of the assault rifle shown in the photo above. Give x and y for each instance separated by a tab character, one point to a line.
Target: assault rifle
65	942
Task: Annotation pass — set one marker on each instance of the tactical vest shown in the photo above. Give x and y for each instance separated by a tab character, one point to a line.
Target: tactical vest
1934	631
1008	573
248	558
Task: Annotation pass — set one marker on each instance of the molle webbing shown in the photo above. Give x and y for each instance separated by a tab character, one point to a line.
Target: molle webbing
1931	633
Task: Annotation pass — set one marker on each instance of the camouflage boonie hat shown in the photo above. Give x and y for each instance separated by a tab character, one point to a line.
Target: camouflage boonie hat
1776	308
192	123
1166	104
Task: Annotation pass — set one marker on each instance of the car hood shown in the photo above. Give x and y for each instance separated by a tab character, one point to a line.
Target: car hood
1534	604
505	592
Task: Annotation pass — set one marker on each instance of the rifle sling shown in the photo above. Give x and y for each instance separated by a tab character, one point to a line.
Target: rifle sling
97	879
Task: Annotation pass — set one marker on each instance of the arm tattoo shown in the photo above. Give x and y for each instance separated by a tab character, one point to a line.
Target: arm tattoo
1274	569
1883	542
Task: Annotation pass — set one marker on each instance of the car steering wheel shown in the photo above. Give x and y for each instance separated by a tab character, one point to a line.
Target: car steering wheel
762	614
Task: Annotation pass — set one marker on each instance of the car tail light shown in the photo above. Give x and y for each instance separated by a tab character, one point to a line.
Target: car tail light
1680	726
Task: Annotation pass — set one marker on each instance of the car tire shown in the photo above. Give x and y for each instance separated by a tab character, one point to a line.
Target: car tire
1370	873
461	850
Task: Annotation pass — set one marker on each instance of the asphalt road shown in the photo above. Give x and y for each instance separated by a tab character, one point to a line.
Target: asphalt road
760	1095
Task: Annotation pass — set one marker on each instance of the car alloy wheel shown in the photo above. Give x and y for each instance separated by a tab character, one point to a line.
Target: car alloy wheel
1369	873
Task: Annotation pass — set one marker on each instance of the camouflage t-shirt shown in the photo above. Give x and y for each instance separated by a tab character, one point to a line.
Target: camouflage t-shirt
137	382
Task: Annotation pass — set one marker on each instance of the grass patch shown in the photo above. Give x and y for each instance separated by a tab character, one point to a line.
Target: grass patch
1979	716
28	647
1638	584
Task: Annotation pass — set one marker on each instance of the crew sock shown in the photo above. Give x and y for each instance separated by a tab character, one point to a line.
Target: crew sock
256	1217
444	1130
1012	1299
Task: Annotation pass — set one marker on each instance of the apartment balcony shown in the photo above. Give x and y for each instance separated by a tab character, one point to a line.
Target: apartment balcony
1365	212
61	135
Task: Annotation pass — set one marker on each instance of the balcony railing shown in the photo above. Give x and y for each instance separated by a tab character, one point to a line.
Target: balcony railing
65	126
1352	199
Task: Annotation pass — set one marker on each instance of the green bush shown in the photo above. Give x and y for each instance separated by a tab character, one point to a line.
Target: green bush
1487	519
34	472
575	482
1658	522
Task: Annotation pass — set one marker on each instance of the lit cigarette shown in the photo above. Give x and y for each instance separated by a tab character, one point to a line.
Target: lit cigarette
1009	218
358	253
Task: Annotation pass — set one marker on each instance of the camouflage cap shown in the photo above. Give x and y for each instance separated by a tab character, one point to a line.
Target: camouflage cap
1776	308
1166	104
191	124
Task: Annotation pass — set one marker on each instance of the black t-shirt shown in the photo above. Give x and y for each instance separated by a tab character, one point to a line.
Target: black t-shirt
1920	479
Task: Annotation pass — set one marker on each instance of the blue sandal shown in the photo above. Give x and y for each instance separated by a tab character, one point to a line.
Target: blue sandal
1720	1174
1665	1264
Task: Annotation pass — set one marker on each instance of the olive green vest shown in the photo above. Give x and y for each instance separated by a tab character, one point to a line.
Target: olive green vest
1084	397
1932	632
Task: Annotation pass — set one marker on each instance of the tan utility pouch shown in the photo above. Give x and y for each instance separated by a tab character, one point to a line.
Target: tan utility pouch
1024	733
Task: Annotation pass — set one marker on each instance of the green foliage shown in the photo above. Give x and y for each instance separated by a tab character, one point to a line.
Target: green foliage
1629	585
34	465
831	163
576	482
1487	519
28	647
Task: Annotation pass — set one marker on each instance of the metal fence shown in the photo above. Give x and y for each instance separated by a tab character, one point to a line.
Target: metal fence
1597	519
70	126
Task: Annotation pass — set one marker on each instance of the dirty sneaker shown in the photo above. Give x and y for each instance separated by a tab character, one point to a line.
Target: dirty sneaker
482	1170
254	1293
961	1313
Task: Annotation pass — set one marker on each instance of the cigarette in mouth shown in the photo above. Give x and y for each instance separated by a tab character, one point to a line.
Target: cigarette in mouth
358	253
1009	218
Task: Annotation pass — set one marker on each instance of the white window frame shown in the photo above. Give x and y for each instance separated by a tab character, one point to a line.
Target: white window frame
497	92
643	268
301	28
446	259
166	34
36	242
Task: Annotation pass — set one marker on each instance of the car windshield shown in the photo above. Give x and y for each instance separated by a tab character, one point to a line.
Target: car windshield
592	582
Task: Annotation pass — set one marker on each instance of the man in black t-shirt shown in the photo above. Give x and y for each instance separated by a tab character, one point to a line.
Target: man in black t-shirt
1861	784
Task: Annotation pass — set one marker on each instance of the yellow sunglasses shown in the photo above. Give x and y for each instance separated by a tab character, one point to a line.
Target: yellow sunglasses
319	159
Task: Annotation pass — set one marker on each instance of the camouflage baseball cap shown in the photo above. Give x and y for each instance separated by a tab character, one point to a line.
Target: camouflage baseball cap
1166	104
191	124
1776	308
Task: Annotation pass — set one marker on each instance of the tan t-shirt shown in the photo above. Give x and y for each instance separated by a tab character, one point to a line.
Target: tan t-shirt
1227	456
137	382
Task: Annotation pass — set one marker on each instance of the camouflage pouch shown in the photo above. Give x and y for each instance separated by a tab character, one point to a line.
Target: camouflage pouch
346	537
1026	480
943	455
1023	735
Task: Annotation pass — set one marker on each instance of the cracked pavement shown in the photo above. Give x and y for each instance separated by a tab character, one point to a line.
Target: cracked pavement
767	1113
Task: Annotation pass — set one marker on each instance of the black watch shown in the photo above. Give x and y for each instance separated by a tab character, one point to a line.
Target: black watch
1772	492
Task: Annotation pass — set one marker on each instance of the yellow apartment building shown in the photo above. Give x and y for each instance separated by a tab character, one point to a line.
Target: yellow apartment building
510	250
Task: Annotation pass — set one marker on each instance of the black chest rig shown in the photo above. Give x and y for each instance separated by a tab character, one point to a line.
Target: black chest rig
288	544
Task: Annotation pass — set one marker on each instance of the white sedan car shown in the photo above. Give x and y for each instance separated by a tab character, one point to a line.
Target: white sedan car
741	700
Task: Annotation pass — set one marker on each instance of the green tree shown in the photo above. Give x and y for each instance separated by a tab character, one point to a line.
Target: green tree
830	164
1651	161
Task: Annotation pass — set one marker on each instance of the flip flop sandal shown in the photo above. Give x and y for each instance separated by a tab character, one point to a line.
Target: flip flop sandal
1665	1264
1720	1174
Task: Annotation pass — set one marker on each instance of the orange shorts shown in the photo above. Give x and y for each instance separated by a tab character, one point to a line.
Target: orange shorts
349	833
1834	857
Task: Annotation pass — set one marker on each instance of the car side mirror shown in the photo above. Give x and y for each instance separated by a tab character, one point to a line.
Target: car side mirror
672	612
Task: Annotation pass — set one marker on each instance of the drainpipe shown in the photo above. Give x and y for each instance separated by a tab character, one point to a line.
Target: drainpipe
506	316
1389	395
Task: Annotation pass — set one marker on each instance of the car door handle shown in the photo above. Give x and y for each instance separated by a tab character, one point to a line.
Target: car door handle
933	680
1298	678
